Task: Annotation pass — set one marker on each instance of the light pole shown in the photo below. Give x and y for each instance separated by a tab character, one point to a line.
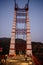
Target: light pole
5	59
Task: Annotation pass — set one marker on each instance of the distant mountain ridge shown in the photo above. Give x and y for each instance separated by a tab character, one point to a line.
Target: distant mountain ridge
5	43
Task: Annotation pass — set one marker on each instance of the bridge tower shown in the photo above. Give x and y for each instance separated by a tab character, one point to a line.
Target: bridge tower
21	29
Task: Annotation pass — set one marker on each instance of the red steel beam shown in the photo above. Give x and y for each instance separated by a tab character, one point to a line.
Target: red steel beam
21	20
21	14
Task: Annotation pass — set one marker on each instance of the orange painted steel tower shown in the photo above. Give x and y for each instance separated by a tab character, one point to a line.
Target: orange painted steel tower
21	29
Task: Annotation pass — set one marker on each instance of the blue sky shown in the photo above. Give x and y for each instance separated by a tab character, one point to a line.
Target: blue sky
35	16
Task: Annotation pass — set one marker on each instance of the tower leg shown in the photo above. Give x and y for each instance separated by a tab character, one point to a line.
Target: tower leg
12	42
28	39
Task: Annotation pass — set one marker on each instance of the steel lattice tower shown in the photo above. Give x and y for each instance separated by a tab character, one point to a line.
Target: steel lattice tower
21	19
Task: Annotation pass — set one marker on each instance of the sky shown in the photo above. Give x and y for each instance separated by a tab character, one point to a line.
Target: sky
35	15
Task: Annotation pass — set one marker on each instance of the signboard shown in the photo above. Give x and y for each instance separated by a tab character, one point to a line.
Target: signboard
0	49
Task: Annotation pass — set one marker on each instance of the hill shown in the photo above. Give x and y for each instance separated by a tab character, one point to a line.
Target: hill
37	47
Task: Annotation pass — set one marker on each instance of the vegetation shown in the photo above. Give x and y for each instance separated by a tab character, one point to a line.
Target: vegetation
37	47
